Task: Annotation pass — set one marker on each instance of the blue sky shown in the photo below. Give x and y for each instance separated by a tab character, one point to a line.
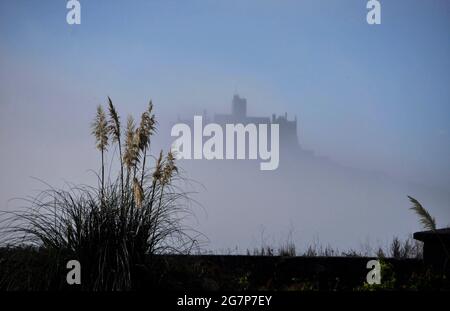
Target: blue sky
373	97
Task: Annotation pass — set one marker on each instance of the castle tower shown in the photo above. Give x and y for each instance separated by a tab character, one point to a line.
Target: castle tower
239	108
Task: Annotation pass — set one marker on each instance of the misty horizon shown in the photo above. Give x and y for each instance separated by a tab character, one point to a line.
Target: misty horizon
371	104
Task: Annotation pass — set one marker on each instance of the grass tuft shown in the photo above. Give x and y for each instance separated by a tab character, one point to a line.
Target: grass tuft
112	229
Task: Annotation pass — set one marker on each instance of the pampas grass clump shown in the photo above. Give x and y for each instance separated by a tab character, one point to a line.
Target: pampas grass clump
112	229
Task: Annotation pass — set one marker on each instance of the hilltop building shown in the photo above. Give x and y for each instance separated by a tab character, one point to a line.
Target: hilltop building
288	128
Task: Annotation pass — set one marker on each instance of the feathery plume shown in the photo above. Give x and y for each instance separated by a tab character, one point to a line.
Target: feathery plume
425	218
114	122
114	131
146	129
157	174
100	129
169	168
131	155
138	193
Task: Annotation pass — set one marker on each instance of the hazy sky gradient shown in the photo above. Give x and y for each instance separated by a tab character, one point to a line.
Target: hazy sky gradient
370	97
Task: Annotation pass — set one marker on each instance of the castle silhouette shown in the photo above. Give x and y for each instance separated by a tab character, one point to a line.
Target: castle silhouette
288	129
